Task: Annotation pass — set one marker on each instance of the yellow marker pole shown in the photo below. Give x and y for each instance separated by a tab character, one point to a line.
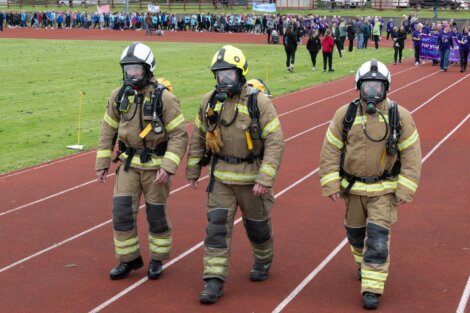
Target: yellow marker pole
78	146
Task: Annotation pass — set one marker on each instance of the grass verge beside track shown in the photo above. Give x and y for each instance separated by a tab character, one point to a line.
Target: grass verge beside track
41	81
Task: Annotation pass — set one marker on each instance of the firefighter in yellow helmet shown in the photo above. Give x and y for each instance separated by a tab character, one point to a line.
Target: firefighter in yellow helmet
145	119
371	157
259	85
238	133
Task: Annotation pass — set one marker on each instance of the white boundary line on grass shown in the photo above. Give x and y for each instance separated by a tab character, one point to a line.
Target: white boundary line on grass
314	273
464	299
282	114
67	158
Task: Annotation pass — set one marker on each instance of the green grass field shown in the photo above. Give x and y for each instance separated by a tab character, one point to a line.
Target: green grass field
41	82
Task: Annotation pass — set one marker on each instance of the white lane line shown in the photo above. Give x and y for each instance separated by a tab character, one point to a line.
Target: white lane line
94	150
309	277
285	113
187	252
56	245
464	299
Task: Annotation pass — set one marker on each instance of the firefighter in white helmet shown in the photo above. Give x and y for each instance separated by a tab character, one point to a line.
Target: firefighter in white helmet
371	157
145	119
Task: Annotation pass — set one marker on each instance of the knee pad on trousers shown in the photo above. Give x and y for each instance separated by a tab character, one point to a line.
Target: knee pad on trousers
156	218
356	236
123	219
217	229
257	231
377	244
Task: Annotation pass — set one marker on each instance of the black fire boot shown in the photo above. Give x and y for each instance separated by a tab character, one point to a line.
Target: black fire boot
213	290
124	268
155	269
260	271
370	300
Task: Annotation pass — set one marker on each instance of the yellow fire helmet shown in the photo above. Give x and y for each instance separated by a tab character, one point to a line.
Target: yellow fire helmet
229	57
166	83
260	85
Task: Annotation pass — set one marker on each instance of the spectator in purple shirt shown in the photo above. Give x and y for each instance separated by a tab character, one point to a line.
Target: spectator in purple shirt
390	26
416	35
464	47
444	39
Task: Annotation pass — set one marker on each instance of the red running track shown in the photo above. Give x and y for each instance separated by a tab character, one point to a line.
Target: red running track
430	254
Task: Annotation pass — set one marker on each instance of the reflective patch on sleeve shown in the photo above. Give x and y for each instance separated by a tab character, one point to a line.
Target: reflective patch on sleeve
409	141
199	125
271	171
334	140
174	123
329	178
242	109
172	156
111	122
270	127
402	180
104	153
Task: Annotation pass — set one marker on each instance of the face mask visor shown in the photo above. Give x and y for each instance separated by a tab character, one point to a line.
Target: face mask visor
134	75
228	84
372	91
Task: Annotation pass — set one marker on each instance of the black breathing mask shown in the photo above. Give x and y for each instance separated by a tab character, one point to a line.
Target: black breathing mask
135	76
372	93
228	84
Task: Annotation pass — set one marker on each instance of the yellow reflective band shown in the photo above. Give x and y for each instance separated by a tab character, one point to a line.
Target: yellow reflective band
126	243
357	255
329	178
193	161
358	186
220	270
125	251
333	140
358	120
402	180
172	156
154	161
270	127
199	125
271	171
366	283
409	141
242	108
218	106
262	253
160	250
174	123
161	242
114	124
104	153
234	176
216	261
375	276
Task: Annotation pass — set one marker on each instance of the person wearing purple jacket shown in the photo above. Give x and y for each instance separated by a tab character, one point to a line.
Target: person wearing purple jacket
464	47
416	35
390	26
444	39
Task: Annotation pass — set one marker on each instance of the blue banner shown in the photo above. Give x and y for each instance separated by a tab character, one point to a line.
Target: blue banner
264	7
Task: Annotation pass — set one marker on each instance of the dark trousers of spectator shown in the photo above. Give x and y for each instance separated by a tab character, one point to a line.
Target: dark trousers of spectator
290	54
338	46
366	40
269	34
376	41
59	25
342	39
313	56
327	57
388	34
96	24
417	48
398	53
351	45
463	59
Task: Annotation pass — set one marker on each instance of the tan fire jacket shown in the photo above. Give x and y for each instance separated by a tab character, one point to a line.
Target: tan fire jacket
129	129
365	158
235	142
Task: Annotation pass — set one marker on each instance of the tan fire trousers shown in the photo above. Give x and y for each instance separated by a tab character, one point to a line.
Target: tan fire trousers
368	225
127	193
221	209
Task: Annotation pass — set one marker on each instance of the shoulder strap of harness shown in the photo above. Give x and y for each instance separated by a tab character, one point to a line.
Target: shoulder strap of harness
348	121
157	103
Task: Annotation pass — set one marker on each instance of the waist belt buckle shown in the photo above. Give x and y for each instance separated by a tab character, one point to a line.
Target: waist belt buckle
231	160
370	180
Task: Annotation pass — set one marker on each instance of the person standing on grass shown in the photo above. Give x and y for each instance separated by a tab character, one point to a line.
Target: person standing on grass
376	32
145	118
351	33
313	46
290	46
327	46
366	33
464	47
398	43
390	26
374	164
